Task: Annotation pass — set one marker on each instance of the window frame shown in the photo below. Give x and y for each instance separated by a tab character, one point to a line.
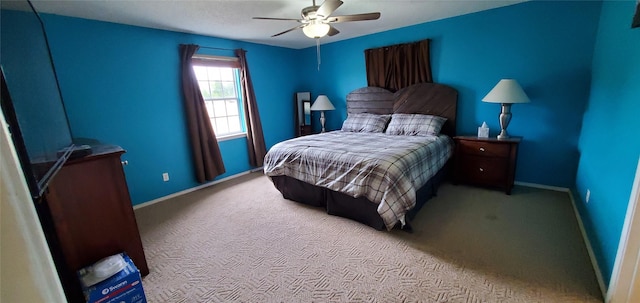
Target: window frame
224	62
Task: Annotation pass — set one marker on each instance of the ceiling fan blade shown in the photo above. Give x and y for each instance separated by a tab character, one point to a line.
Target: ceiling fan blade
291	29
358	17
328	7
333	31
283	19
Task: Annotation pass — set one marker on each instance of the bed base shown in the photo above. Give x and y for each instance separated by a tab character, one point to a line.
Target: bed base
358	209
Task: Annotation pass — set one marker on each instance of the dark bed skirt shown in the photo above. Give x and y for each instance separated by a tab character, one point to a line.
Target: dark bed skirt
339	204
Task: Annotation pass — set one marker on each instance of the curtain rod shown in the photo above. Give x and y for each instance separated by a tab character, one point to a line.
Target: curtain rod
388	46
219	48
211	57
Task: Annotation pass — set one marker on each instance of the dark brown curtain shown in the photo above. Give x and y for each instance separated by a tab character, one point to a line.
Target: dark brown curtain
255	136
398	66
204	146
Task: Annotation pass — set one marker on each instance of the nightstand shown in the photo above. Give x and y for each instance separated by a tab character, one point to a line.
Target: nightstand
486	161
305	130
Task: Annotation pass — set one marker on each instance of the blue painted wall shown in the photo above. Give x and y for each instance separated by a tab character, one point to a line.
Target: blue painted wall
121	86
610	140
546	46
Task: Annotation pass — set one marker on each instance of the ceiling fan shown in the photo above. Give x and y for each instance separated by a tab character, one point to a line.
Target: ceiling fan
316	20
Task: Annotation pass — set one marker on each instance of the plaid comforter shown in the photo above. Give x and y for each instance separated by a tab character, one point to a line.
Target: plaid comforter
385	169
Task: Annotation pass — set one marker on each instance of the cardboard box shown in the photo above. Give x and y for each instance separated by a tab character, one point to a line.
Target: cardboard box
123	287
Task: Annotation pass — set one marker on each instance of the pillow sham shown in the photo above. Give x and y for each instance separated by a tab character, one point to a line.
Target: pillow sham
415	125
365	123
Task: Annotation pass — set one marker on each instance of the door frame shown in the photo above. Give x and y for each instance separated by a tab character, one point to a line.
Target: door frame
24	253
625	278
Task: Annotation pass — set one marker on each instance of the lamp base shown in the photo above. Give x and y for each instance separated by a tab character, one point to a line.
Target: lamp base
322	121
502	136
505	118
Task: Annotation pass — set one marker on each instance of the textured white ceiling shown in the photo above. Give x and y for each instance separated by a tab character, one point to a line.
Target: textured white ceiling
232	18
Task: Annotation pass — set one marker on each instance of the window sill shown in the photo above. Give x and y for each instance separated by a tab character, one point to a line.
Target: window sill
231	137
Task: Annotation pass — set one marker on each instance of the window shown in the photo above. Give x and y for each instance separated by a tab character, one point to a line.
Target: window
220	87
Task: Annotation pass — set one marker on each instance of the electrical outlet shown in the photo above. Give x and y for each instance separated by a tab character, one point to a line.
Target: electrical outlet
165	177
588	196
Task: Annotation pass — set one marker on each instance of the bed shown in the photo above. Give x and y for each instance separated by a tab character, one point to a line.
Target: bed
378	177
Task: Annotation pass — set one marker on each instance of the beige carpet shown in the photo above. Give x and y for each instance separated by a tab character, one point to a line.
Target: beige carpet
240	241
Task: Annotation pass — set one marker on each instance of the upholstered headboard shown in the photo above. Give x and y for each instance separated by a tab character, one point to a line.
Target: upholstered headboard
422	98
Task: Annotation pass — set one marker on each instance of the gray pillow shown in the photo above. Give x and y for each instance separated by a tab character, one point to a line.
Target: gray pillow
415	125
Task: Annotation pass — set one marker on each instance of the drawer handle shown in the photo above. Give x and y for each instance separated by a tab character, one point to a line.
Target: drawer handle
482	149
481	169
125	162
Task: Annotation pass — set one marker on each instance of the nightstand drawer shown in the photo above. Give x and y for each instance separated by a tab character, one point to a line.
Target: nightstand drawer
481	148
484	170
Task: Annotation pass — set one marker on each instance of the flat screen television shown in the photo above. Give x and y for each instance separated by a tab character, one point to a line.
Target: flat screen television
31	99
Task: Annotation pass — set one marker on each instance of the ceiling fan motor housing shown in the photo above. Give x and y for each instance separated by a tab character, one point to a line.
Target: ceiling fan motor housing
309	13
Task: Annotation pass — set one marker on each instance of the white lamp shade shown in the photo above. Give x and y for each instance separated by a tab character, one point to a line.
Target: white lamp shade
316	29
506	91
322	103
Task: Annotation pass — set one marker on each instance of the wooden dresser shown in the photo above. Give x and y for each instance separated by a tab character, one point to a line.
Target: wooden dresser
87	215
486	161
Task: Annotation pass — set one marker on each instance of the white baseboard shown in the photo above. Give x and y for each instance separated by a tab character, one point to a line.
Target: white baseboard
592	255
186	191
542	186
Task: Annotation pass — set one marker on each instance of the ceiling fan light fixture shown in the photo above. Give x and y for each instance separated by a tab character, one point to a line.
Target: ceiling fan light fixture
316	29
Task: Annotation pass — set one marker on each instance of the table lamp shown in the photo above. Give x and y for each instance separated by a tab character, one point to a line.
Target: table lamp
506	92
321	104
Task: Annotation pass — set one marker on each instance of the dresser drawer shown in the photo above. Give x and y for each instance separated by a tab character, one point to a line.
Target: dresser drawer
484	170
480	148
